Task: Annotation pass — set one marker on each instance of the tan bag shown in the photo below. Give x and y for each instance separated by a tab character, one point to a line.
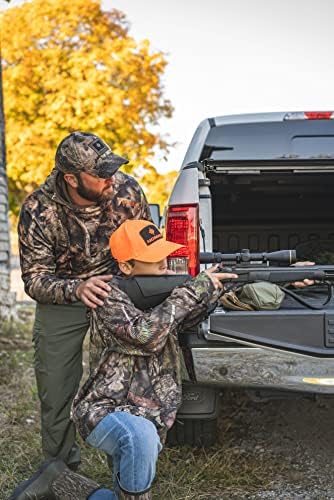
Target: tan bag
254	297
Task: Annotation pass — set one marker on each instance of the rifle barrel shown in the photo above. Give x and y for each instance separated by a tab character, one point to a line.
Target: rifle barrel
281	274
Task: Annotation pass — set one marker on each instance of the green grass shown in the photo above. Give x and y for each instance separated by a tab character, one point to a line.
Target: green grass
222	472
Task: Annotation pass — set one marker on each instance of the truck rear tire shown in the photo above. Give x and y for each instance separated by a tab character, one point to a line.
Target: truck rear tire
193	432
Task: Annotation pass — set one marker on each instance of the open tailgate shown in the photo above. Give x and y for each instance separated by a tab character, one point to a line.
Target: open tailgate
306	331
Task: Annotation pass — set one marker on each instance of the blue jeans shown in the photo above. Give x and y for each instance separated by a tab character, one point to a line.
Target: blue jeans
134	444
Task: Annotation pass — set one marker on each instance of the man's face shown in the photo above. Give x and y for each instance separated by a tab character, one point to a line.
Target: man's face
94	188
151	268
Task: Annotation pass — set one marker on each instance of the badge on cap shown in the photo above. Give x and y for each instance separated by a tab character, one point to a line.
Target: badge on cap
98	146
150	234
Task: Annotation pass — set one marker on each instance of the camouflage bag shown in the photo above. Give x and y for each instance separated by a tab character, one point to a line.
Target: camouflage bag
253	297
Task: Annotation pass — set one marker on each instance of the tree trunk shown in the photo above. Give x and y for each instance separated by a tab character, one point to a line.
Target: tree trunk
7	299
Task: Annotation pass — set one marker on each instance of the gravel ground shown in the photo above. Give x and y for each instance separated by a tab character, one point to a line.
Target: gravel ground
296	434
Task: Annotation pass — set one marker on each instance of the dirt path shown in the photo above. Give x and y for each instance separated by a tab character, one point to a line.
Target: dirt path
297	434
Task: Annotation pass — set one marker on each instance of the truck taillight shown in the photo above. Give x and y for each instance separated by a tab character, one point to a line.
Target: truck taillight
310	115
182	226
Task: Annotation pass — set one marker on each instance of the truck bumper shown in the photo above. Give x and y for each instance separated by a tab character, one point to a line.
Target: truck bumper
262	367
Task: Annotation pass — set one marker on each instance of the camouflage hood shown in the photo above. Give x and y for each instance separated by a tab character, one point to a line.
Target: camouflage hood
53	189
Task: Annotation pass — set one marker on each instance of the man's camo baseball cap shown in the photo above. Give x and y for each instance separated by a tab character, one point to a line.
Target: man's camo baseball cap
85	152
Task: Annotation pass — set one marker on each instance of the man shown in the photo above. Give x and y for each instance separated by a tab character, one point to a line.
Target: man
132	395
64	229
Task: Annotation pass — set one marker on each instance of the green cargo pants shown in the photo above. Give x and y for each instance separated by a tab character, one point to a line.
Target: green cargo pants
58	334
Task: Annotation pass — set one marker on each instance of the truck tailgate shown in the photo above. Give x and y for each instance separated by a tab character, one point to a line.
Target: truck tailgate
299	330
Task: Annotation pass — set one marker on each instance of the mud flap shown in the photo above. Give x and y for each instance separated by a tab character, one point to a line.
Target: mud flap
196	421
199	402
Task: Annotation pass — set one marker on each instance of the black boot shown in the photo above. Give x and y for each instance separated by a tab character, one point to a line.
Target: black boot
129	495
55	481
125	495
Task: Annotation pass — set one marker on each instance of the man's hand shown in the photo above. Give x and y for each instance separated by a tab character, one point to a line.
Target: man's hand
216	278
90	290
306	282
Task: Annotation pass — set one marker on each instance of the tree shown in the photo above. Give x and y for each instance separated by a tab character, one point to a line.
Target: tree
6	297
71	66
158	186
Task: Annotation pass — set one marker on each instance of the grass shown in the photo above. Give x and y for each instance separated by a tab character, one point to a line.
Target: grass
221	472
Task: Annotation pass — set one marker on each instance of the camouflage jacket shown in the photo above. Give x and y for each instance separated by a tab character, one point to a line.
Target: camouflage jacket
139	368
62	244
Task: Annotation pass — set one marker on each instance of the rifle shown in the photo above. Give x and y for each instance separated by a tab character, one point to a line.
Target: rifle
252	267
149	291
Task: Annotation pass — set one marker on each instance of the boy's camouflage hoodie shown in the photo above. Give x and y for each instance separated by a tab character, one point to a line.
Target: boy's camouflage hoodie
61	243
138	368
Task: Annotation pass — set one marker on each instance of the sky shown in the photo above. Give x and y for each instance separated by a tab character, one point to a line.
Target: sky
235	56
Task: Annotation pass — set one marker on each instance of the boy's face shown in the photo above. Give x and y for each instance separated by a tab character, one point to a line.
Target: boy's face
139	267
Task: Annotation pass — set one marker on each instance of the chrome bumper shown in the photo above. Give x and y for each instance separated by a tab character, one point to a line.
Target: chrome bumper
262	367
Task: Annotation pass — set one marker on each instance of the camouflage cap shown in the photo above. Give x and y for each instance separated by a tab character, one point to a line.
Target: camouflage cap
85	152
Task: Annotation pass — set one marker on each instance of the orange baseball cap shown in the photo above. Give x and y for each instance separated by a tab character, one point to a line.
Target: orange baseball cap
140	240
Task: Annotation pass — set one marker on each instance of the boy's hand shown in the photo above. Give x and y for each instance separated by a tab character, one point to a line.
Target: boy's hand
216	278
90	290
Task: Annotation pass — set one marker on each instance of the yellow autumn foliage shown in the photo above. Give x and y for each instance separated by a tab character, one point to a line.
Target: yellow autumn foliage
71	66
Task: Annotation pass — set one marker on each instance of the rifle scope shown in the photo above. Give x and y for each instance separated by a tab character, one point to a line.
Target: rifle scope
286	257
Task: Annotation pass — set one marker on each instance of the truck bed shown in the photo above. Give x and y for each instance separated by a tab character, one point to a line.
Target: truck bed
311	241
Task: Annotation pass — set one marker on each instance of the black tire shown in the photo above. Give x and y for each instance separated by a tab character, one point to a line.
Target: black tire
193	432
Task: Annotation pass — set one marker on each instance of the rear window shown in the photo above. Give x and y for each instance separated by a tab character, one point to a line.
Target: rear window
313	145
300	139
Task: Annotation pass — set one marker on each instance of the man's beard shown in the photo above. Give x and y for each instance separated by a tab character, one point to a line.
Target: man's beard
89	194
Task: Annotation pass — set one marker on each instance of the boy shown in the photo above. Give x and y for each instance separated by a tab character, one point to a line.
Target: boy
132	395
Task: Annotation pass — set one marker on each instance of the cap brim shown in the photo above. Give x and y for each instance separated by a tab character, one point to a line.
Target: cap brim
158	251
109	166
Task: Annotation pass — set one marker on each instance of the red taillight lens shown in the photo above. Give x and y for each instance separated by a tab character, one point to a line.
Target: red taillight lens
318	115
182	227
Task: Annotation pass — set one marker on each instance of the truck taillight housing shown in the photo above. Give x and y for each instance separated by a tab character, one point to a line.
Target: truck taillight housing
310	115
182	226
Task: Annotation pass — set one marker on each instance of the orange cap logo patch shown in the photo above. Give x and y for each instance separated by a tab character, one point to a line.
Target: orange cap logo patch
150	234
